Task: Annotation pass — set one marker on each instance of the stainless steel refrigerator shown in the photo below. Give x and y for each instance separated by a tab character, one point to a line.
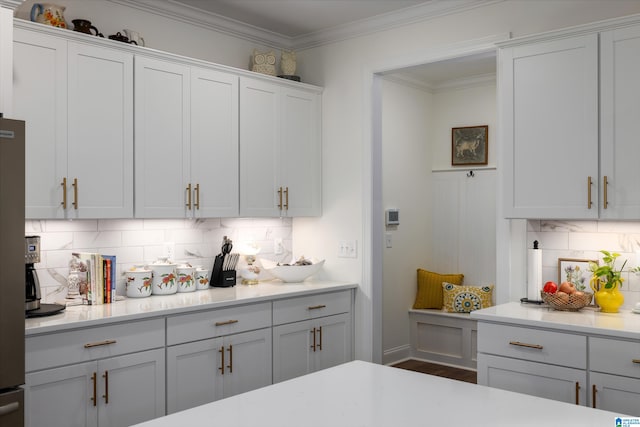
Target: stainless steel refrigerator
12	272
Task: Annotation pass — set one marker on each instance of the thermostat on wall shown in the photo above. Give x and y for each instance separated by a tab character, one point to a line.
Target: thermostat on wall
392	217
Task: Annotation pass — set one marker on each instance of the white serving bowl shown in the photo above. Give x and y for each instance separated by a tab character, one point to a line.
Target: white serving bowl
291	273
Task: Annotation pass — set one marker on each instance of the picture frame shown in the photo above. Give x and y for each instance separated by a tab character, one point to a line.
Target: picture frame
470	145
575	271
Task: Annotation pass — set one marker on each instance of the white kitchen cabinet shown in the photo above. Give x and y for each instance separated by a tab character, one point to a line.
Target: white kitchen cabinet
549	128
77	101
532	361
280	150
186	141
100	376
311	333
216	354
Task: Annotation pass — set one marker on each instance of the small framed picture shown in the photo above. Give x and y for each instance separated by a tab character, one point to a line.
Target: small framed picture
470	145
575	271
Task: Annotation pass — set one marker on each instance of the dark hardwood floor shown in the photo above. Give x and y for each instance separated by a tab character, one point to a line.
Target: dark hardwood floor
439	370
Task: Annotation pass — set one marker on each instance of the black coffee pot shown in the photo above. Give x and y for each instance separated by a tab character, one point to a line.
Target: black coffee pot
84	26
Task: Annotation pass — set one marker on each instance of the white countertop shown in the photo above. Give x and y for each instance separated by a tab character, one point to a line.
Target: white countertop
365	394
589	320
161	305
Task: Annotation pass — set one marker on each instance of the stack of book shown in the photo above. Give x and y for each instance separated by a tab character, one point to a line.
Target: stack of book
101	278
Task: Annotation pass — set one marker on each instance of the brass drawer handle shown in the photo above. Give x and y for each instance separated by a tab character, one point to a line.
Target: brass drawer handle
316	307
280	198
64	192
589	192
522	344
605	182
637	361
594	390
226	322
197	203
313	332
221	368
75	193
106	387
286	199
94	379
577	393
98	344
188	190
230	365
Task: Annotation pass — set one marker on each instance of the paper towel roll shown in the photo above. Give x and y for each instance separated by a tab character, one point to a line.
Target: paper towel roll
534	274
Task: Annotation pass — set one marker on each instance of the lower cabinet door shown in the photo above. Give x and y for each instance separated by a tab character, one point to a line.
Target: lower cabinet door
61	397
537	379
333	341
248	361
131	388
291	350
193	374
615	393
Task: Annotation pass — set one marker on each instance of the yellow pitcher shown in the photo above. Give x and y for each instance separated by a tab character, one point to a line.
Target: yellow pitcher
609	300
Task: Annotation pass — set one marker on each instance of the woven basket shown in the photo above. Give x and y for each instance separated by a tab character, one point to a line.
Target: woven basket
575	303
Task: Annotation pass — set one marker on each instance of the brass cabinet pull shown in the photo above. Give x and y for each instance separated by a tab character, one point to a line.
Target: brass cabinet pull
226	322
94	378
99	343
280	198
320	344
577	393
9	408
64	193
316	307
230	365
188	190
588	192
286	198
522	344
106	387
313	332
75	193
637	361
197	203
594	390
605	182
221	368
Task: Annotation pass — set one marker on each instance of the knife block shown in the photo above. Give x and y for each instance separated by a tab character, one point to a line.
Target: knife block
222	278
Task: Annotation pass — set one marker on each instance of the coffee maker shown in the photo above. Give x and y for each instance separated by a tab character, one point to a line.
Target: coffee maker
33	307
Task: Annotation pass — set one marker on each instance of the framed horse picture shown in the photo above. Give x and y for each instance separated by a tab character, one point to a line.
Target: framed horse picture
470	145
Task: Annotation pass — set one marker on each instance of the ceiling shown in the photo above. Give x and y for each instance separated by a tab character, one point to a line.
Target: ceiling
298	24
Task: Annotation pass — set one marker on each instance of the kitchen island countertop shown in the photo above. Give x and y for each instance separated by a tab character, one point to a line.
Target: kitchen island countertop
161	305
588	320
365	394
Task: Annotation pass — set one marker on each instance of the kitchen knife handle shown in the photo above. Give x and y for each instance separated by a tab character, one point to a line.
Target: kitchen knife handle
280	198
188	204
75	193
286	199
605	183
94	378
106	387
588	192
99	343
594	390
64	193
313	332
523	344
577	393
221	368
197	191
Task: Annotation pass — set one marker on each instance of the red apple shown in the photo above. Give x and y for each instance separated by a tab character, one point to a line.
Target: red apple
550	287
567	287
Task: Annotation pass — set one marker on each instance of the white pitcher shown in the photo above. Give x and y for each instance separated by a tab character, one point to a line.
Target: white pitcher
134	37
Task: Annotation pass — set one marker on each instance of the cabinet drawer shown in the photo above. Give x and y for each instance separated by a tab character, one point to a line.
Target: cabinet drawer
532	344
311	307
82	345
614	356
215	323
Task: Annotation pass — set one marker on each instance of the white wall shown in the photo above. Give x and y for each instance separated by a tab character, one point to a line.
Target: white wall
345	68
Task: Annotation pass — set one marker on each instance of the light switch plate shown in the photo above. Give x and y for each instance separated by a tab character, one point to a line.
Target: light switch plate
348	249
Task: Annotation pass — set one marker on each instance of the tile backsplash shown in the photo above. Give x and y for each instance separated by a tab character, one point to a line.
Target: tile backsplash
584	240
143	240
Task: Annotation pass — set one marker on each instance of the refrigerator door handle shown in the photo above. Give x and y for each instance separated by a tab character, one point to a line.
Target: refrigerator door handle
7	409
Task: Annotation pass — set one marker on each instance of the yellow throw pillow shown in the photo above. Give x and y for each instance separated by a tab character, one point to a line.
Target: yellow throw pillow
464	299
430	288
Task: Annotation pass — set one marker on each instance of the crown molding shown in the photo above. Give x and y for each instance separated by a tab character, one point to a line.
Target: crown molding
11	4
194	16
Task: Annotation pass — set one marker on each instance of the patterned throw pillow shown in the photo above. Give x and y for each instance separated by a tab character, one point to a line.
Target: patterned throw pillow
430	288
464	299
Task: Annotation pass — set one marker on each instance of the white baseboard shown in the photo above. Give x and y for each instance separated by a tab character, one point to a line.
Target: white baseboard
396	355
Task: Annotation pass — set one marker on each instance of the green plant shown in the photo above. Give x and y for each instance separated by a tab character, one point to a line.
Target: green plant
607	273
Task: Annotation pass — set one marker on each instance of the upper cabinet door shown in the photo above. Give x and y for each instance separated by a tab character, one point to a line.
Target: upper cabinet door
214	143
301	153
40	99
162	138
100	132
620	110
261	192
549	116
